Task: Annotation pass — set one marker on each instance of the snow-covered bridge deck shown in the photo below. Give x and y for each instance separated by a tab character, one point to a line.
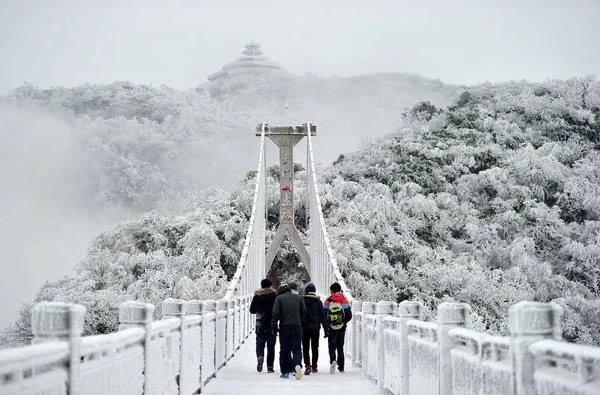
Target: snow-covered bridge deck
239	376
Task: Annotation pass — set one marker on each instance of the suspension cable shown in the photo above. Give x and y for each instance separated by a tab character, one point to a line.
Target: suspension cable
324	265
251	266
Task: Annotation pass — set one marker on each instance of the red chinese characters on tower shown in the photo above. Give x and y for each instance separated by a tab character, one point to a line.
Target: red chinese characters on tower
286	173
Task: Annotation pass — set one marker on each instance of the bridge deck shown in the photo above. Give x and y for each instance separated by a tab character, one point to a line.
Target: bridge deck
240	377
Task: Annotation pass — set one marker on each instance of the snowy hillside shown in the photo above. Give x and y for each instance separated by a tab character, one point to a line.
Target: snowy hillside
139	146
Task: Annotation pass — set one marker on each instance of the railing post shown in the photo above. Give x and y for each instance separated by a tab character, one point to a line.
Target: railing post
528	323
139	315
249	316
356	332
383	309
230	347
57	321
211	306
237	308
367	308
246	317
407	310
204	335
221	331
242	319
196	307
176	308
450	315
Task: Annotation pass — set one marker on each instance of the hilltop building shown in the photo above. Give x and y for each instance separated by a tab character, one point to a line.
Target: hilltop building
252	61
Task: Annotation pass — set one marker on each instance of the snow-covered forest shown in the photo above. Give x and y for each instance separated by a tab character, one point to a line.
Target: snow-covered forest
138	147
489	198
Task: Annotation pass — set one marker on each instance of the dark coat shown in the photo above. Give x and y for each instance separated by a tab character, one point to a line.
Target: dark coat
315	315
289	310
262	306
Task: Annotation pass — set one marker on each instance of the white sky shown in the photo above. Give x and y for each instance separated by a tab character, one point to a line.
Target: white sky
178	43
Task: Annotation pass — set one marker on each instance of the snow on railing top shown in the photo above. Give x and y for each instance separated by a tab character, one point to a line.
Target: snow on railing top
583	360
320	227
252	227
566	351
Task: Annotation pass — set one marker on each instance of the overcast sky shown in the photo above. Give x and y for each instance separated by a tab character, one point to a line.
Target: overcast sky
178	43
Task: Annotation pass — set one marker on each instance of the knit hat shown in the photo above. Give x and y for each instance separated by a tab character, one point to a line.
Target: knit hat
266	283
310	287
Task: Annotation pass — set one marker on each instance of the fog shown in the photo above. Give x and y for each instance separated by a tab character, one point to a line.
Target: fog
46	225
43	233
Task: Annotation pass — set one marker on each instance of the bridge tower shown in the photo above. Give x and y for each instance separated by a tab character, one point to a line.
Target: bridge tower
286	137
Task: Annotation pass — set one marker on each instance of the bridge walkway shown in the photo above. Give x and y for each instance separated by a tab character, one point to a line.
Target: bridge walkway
239	376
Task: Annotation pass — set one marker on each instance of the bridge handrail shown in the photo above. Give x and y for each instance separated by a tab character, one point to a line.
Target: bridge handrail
577	364
100	343
178	354
458	360
32	356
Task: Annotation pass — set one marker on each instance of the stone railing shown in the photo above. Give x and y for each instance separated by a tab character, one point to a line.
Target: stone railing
406	356
178	354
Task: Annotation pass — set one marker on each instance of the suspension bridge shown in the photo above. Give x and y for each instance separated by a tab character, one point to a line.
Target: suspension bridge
205	346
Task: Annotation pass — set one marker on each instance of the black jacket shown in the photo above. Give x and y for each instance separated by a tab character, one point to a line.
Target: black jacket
289	310
315	315
262	306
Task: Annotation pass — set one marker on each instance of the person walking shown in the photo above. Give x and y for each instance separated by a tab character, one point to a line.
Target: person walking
288	312
262	305
338	314
311	328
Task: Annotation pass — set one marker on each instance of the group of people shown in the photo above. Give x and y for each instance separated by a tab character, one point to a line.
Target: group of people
297	320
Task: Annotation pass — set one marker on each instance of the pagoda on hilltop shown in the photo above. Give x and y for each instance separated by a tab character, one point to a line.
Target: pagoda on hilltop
252	49
251	61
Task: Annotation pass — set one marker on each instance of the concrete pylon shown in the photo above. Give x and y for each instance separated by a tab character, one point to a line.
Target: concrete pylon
286	137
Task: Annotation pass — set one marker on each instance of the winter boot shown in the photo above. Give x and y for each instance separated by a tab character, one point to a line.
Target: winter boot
259	365
307	370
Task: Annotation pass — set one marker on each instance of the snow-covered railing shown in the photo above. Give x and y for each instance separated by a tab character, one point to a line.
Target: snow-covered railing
552	378
178	354
407	356
251	267
324	268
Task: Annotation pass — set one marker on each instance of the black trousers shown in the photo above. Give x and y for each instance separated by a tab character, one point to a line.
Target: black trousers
310	339
265	337
290	349
336	345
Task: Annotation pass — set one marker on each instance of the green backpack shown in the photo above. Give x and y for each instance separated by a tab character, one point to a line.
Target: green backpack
335	316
